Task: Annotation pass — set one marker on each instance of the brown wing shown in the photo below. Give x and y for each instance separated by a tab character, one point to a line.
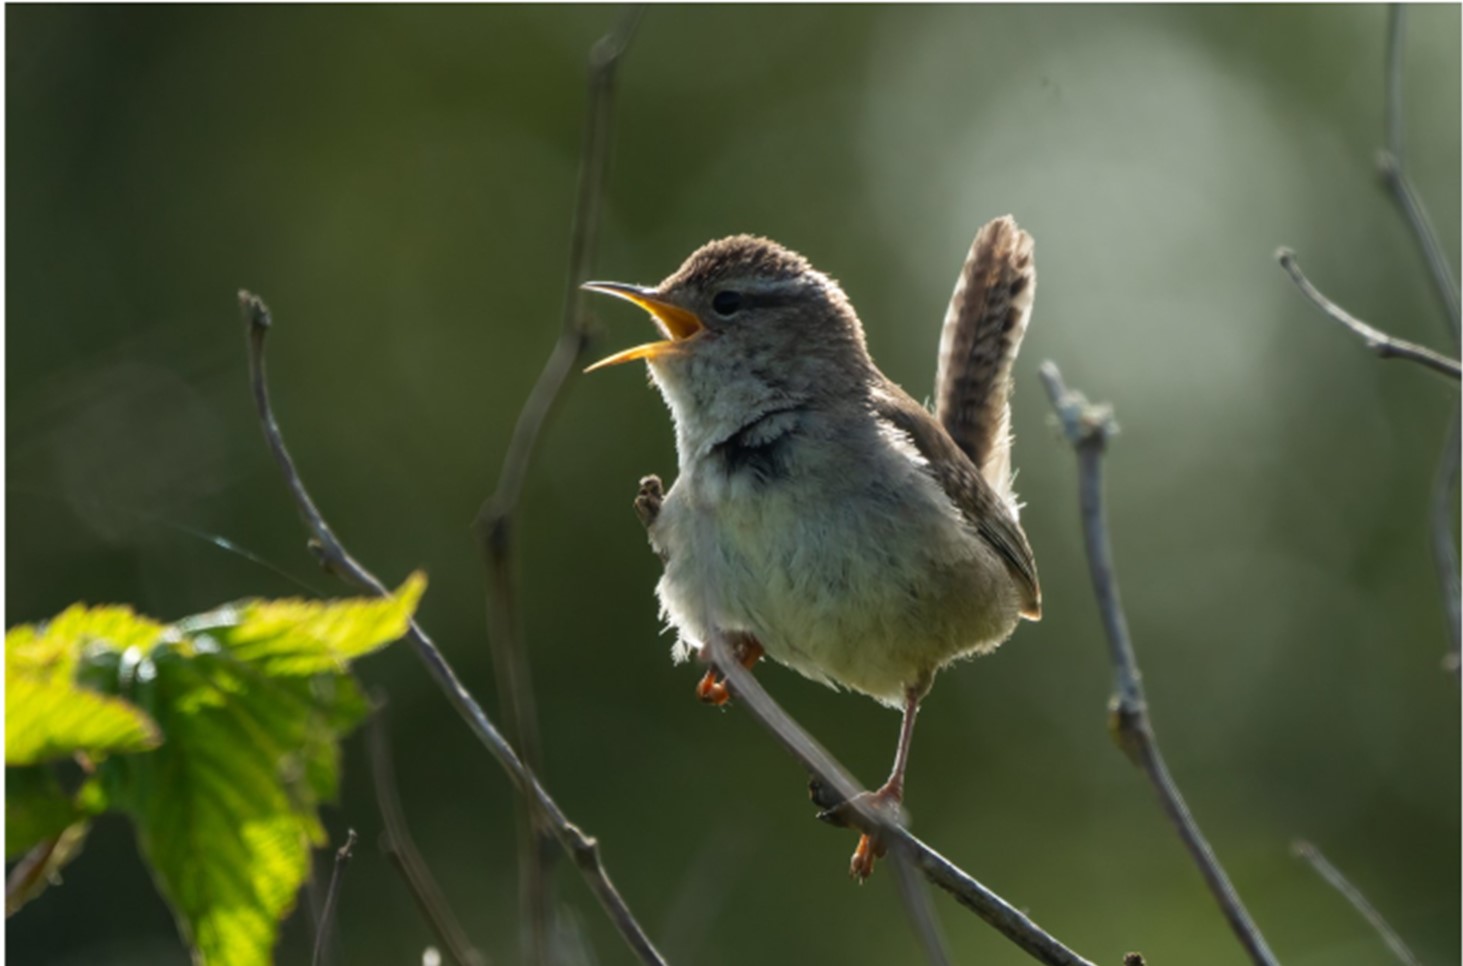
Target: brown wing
982	333
967	488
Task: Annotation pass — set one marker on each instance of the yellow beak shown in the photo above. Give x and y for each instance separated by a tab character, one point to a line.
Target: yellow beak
674	321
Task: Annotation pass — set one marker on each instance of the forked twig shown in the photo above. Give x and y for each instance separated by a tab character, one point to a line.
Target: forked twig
1389	162
1445	553
997	912
493	525
1351	894
334	557
1087	428
402	849
326	925
1383	345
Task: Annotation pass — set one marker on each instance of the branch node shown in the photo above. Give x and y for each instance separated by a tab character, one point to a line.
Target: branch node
1082	423
256	313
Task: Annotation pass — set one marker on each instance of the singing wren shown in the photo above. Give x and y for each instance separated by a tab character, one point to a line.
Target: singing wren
821	515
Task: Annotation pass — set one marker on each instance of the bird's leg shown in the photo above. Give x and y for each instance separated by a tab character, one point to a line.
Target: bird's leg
861	866
712	688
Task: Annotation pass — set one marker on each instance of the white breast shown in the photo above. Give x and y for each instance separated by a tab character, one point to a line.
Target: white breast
849	565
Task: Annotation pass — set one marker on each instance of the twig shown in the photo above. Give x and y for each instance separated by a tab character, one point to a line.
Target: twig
326	925
493	525
1339	882
1383	345
402	849
1389	162
1087	428
997	912
1445	554
334	557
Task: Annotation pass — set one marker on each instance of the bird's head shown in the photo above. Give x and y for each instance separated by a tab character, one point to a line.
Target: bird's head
748	326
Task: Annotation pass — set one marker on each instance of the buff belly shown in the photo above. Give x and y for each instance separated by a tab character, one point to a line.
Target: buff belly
872	582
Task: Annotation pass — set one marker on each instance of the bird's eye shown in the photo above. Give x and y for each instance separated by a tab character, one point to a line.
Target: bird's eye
727	302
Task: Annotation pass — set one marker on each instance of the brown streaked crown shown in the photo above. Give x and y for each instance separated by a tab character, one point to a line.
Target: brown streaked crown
740	256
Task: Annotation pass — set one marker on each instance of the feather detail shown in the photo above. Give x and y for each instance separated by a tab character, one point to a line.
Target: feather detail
983	329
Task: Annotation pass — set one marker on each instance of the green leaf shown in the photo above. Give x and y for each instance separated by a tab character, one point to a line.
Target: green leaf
253	699
36	808
48	715
293	637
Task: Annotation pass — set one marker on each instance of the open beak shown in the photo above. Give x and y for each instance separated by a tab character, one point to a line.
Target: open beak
677	323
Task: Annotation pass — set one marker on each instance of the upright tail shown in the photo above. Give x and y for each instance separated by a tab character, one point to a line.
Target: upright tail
983	330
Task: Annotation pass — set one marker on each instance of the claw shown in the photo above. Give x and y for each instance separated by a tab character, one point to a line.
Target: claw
712	690
861	866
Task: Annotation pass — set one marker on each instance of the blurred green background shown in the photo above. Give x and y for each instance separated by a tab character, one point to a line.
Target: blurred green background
398	184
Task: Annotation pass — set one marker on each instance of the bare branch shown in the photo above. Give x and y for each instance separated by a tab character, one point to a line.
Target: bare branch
1339	882
402	849
493	524
1445	553
997	912
335	558
1379	342
1087	428
1389	163
326	925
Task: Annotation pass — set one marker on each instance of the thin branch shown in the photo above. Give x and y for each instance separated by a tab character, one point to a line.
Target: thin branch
326	926
402	849
493	526
1383	345
1087	428
1445	552
335	558
997	912
1389	162
1339	882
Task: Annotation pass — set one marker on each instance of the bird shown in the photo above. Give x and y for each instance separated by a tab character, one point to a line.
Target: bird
821	516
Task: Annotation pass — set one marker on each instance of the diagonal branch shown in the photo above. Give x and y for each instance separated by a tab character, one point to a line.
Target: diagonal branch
1389	162
1351	894
1383	345
493	525
401	848
334	557
997	912
1087	428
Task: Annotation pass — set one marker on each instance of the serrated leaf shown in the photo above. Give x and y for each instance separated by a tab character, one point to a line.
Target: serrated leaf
295	637
48	714
227	809
252	699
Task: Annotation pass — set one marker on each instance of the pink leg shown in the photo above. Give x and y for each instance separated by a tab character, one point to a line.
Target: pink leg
861	866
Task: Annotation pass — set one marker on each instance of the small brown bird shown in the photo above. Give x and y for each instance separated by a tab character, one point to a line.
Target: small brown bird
822	516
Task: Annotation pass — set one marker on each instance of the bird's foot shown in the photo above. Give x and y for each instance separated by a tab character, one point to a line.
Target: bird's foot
845	814
712	688
649	499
